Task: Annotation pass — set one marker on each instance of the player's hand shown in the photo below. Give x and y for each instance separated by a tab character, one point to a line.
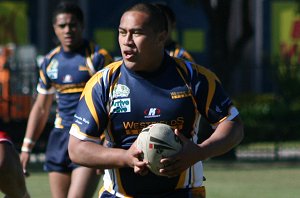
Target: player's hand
24	158
139	166
178	163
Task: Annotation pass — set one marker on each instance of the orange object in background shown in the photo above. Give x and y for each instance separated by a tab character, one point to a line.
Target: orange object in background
12	106
5	95
4	84
20	107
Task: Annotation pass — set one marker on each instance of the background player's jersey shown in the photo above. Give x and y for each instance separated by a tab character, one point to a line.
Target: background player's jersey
4	137
66	73
175	50
120	103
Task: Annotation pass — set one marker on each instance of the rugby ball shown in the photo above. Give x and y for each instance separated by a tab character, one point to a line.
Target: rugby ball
158	141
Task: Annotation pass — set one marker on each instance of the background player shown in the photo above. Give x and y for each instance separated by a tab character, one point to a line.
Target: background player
64	72
148	86
171	46
12	181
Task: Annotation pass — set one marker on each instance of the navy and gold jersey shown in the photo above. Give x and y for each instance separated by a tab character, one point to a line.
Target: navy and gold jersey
66	73
175	50
120	103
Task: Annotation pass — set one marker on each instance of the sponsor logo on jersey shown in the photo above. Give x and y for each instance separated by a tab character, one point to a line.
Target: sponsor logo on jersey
52	69
226	102
134	128
67	78
218	109
121	105
81	120
120	91
180	94
152	113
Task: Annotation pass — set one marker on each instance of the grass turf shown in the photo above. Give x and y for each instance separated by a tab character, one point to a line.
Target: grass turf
248	180
224	180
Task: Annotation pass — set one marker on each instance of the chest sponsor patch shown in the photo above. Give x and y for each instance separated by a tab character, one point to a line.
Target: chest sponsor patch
152	113
121	105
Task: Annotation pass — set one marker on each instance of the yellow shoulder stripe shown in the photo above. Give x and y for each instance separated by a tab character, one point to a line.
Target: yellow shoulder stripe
53	52
209	75
87	94
211	79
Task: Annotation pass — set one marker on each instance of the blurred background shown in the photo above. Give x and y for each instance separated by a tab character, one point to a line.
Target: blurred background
252	45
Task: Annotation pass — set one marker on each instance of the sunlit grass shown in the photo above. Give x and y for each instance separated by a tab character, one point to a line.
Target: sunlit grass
248	180
224	180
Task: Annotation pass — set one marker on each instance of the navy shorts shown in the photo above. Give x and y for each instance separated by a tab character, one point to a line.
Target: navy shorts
57	156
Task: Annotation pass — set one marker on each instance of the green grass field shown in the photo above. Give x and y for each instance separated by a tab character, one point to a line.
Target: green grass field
248	180
224	180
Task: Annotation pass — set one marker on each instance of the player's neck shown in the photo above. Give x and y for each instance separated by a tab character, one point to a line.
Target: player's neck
74	47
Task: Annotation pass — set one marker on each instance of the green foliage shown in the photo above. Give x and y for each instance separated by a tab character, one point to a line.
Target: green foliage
287	71
275	116
268	117
289	81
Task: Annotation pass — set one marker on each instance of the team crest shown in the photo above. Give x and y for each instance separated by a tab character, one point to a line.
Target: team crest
52	69
120	91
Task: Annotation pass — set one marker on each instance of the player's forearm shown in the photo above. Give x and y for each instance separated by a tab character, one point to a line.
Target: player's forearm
36	122
39	116
227	135
35	126
95	156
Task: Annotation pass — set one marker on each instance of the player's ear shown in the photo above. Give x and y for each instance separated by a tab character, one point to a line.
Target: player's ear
162	37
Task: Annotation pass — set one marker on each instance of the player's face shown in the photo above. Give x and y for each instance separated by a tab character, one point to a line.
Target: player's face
139	44
68	31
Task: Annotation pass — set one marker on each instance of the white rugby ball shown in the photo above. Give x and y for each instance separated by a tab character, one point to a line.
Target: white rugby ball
158	141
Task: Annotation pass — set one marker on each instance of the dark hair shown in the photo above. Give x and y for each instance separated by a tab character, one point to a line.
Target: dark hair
157	19
70	8
167	10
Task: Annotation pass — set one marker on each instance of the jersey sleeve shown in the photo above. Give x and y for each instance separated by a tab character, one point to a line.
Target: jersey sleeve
101	58
187	56
180	52
4	137
44	85
90	119
212	100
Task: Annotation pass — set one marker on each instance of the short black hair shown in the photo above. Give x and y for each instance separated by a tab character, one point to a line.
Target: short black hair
70	8
157	18
167	10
